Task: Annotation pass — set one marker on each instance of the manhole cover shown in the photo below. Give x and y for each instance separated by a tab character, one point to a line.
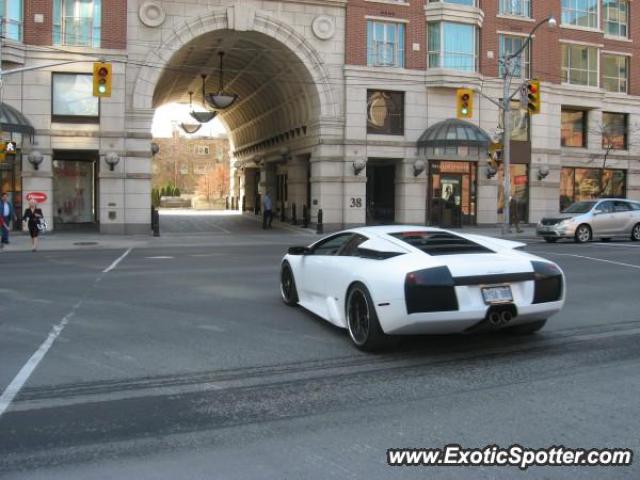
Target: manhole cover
85	244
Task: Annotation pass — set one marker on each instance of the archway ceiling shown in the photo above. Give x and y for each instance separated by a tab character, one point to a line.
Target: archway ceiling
276	90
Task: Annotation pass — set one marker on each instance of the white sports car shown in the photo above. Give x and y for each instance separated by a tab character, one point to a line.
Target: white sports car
405	280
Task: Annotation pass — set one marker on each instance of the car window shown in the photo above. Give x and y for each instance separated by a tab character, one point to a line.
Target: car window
621	206
606	207
635	206
331	245
350	249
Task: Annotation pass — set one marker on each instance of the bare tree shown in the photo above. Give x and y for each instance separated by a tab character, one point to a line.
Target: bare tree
614	137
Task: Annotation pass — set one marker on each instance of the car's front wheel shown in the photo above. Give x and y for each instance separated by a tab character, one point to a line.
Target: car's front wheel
288	289
583	233
362	320
527	328
635	233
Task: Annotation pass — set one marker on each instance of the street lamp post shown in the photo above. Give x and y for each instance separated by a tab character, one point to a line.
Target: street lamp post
507	71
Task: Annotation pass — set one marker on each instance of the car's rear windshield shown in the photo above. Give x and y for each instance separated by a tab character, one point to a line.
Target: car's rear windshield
580	207
440	243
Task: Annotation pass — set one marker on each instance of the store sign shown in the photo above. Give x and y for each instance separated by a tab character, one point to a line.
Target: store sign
38	197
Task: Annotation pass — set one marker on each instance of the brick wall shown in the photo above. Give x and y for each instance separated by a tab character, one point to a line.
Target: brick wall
415	30
38	33
114	23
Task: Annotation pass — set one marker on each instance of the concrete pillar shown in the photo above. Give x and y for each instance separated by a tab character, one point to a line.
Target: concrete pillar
297	182
410	194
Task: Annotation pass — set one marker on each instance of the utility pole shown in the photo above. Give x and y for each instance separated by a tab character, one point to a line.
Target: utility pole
507	63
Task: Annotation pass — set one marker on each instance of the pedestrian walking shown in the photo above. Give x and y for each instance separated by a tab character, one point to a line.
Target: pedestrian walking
514	214
267	209
8	215
34	217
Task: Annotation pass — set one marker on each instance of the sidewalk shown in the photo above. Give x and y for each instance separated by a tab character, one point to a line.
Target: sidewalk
281	234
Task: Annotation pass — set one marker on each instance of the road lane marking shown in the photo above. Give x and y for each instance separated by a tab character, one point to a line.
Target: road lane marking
25	372
623	264
617	245
117	261
159	257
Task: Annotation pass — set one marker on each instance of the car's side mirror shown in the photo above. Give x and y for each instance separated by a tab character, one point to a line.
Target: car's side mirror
299	250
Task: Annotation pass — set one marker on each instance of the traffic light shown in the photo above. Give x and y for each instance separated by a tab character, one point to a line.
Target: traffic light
101	79
464	103
533	96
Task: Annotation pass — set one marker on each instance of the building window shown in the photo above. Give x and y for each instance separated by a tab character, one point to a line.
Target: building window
385	112
202	150
574	128
518	8
614	73
577	184
510	44
385	44
11	13
580	65
72	98
614	131
452	46
616	18
580	13
77	22
471	3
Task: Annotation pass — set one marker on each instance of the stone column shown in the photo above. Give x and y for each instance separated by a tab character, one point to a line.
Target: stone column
297	176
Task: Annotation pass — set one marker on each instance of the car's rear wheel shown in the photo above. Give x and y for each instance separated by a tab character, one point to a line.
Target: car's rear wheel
288	289
635	233
527	328
583	233
550	239
362	320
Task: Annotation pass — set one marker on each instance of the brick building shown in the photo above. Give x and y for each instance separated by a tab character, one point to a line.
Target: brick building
405	60
342	105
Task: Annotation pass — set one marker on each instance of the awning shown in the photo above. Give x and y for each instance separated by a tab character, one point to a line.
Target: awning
12	120
454	132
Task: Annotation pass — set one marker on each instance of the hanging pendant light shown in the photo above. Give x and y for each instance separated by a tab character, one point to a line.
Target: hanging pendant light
222	99
206	116
189	127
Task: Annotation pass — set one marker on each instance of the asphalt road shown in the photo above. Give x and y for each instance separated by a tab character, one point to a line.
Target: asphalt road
182	362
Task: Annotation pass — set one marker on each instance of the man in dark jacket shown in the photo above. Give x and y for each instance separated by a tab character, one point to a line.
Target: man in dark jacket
8	215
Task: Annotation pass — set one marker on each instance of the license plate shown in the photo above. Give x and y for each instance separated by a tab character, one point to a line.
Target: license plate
500	294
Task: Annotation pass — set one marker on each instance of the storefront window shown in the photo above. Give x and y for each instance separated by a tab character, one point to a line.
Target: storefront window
72	99
452	196
574	128
614	131
73	193
519	191
578	184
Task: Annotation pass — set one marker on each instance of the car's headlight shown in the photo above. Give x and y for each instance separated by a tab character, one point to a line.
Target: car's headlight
565	222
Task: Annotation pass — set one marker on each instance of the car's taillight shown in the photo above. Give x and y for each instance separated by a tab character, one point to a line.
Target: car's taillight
430	290
548	282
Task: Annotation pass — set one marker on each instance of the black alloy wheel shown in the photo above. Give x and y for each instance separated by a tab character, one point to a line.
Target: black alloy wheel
635	233
362	320
288	289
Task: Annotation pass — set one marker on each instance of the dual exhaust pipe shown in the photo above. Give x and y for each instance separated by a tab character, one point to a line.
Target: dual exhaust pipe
499	318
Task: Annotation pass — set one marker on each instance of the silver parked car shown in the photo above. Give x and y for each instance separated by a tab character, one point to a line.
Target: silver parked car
583	221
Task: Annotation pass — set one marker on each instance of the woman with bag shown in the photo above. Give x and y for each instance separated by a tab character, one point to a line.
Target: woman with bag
35	219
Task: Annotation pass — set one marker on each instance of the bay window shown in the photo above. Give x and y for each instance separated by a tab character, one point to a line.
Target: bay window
452	46
11	13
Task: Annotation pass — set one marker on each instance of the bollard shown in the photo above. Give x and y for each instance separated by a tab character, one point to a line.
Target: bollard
294	220
282	213
226	203
305	216
319	226
156	223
